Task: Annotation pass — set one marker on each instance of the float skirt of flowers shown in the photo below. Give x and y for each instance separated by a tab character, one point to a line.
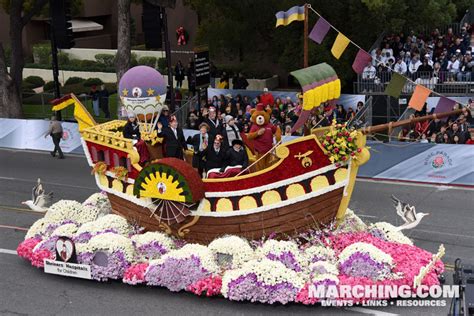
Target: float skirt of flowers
268	271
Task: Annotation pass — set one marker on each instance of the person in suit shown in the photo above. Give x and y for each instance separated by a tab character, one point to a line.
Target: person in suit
175	144
200	144
215	154
215	125
132	129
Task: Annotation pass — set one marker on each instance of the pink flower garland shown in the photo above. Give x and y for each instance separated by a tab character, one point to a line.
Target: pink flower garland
135	274
211	285
25	248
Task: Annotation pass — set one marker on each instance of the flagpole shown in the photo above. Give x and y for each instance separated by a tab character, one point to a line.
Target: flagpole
305	36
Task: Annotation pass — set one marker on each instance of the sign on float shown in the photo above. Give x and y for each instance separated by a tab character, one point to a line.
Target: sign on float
75	270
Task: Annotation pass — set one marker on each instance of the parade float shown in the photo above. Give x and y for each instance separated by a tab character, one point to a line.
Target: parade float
265	236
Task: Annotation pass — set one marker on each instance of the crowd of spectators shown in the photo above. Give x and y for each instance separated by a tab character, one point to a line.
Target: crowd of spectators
284	113
453	130
436	58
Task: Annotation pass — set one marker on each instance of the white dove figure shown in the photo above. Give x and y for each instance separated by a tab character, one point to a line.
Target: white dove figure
40	200
408	214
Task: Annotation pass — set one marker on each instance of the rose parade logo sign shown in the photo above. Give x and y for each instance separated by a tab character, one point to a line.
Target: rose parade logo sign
438	161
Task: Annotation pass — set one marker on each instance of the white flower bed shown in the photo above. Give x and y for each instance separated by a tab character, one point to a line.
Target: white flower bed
104	223
325	267
284	251
150	237
66	230
389	233
205	255
37	229
315	253
267	271
110	242
361	247
234	246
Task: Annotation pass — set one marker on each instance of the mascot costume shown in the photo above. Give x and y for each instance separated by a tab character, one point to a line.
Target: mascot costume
261	135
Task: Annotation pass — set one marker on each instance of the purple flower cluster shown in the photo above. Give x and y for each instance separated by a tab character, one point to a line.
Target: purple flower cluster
115	268
247	287
362	265
176	274
153	250
377	233
287	258
86	236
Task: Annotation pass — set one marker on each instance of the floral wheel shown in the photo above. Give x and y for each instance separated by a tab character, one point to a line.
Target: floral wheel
173	185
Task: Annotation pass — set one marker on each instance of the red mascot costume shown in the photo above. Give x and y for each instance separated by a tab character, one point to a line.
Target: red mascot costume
181	36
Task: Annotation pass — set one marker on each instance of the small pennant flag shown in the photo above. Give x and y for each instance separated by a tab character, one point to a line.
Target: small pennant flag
339	45
395	86
419	97
319	31
361	61
286	17
444	105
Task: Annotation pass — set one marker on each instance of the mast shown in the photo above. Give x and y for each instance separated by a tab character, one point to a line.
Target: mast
391	125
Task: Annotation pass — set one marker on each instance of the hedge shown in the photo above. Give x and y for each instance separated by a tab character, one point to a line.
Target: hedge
108	60
148	61
74	80
33	82
92	81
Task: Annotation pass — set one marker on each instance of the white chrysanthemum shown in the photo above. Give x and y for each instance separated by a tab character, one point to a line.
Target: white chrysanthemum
362	247
204	254
390	233
111	221
100	202
66	230
326	267
267	271
351	223
322	277
110	242
150	237
319	252
234	246
70	210
37	229
278	247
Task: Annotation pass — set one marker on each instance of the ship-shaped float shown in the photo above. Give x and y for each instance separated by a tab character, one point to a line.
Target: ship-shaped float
302	189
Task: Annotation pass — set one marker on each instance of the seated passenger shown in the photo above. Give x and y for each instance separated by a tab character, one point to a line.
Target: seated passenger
237	155
215	154
132	128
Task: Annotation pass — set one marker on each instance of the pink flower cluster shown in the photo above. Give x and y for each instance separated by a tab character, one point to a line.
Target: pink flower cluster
210	285
25	248
408	260
37	259
135	274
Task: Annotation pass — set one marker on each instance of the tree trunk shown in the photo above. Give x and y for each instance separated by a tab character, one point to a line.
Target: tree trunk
10	82
122	59
9	94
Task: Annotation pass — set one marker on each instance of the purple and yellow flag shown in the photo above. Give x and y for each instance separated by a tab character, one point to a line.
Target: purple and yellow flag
286	17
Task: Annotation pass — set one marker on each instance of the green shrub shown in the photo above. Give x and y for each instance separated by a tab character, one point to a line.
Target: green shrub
74	80
133	60
92	81
162	66
49	86
76	88
148	61
42	53
107	60
33	81
27	92
63	59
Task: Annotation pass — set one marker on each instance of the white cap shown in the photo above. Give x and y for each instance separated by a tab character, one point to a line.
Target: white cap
458	50
228	118
265	89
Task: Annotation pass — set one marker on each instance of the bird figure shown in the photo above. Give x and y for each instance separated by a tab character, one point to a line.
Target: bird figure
408	214
39	200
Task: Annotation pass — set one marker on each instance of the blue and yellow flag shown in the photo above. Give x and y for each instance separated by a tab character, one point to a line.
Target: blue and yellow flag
294	14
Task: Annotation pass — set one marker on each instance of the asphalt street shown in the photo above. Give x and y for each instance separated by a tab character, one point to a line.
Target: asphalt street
26	290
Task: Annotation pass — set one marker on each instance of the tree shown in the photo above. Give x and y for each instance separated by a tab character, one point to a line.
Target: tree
123	57
20	12
242	33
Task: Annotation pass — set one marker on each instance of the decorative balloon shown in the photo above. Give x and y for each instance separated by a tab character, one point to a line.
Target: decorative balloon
143	92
